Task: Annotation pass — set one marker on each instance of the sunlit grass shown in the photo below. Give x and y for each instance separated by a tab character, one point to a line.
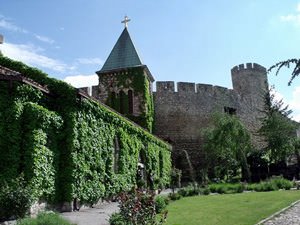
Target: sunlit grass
229	209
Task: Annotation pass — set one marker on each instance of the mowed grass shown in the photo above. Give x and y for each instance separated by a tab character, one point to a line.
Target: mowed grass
229	209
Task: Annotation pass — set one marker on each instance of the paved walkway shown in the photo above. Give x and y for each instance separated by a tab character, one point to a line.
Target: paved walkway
291	216
92	216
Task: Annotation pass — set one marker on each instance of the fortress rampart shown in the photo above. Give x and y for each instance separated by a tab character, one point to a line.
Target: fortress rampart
190	88
183	114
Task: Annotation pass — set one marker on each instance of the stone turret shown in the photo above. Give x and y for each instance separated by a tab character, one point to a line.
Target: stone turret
251	83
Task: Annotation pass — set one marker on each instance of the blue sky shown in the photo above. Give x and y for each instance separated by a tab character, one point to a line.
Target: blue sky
192	40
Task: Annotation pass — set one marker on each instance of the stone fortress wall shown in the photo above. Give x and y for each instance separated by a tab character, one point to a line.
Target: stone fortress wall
181	116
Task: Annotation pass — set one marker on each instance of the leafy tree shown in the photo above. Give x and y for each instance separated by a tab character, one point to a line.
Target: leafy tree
278	130
226	147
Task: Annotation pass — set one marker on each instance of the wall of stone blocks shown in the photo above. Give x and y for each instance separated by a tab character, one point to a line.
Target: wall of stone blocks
182	116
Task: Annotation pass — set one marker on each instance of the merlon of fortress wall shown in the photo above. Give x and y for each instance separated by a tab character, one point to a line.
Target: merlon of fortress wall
190	88
254	67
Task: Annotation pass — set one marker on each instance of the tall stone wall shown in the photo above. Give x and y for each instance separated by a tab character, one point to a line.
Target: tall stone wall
181	116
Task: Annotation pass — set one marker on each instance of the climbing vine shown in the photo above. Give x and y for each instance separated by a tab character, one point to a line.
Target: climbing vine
138	81
65	144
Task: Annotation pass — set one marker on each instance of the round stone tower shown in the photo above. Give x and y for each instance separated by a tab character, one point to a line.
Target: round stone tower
251	84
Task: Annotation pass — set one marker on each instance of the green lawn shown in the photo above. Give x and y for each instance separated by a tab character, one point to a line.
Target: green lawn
229	209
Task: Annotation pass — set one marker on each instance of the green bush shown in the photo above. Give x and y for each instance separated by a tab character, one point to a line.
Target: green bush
175	178
223	188
15	199
217	188
272	184
281	183
190	190
269	186
117	219
183	192
137	208
205	191
44	219
174	196
160	203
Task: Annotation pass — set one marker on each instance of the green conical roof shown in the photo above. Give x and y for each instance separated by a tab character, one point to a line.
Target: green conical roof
123	55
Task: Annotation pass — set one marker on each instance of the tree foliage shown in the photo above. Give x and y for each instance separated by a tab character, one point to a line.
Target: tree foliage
287	63
278	130
226	147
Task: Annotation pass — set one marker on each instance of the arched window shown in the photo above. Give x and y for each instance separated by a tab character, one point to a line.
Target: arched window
122	100
130	102
161	164
113	100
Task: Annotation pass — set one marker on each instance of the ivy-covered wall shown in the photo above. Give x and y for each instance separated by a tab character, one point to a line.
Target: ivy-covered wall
136	80
65	145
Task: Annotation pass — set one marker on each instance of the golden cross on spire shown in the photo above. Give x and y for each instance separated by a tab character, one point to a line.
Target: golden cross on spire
125	21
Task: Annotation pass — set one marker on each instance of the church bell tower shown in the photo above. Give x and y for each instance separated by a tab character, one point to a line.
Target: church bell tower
125	83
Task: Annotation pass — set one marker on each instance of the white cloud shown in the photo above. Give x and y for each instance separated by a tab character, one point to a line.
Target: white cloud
6	24
298	7
90	61
44	39
277	96
31	55
82	80
293	103
10	26
292	17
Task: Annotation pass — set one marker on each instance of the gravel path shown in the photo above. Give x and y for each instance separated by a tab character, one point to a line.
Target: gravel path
291	216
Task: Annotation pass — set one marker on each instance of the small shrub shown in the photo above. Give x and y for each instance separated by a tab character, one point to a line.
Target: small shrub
174	196
160	204
240	188
117	219
137	208
281	183
205	191
221	189
226	188
175	178
251	187
15	199
269	186
213	188
234	188
190	190
183	192
45	219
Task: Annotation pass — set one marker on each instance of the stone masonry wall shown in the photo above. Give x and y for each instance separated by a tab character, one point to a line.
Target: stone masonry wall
182	116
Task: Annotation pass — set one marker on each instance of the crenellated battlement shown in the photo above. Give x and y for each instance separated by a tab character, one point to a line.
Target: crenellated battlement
91	91
165	86
188	87
253	67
